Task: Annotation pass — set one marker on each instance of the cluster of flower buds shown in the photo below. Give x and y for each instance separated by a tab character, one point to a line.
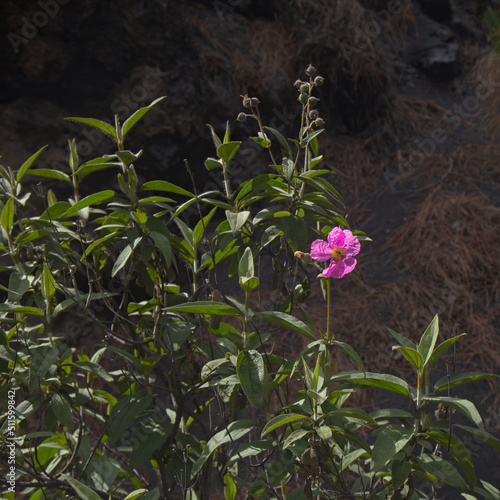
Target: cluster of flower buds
251	103
307	99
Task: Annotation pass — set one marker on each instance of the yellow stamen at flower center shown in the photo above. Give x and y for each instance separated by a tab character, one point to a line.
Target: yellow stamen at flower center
338	253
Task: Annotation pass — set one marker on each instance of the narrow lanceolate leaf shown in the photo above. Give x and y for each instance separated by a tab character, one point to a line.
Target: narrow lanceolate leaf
379	380
253	376
165	186
442	348
212	163
48	283
287	321
132	120
98	124
390	441
122	259
84	492
233	432
280	420
201	226
428	340
201	307
50	174
489	439
93	199
295	436
27	164
7	217
404	341
462	405
283	142
215	137
460	378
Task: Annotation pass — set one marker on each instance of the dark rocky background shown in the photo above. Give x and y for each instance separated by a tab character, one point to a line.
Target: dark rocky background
411	104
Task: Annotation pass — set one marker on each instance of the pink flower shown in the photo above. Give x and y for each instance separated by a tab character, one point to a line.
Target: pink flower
339	249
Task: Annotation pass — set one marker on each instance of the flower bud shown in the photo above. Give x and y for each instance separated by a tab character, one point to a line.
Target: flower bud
246	102
254	102
304	87
319	122
313	101
318	81
303	98
298	83
313	114
242	117
311	71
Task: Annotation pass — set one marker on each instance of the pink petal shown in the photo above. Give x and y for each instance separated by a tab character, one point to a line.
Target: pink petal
336	237
335	270
350	264
321	251
351	244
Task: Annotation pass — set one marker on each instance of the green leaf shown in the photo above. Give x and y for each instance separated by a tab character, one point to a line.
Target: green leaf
442	348
62	410
460	378
280	420
149	436
98	124
215	137
253	376
27	164
7	217
161	237
261	141
295	436
127	157
295	230
287	321
310	137
249	284
165	186
404	341
229	488
21	309
135	494
233	432
283	142
483	435
48	283
400	471
441	469
462	405
212	163
390	441
124	414
204	307
201	226
132	120
81	490
237	220
350	352
51	174
92	199
379	380
122	259
246	267
428	340
96	369
227	150
411	355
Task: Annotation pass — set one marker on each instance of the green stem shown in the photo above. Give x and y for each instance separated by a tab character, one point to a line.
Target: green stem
328	300
245	323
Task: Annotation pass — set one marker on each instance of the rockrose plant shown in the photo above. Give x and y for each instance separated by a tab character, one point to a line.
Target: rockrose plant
185	389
